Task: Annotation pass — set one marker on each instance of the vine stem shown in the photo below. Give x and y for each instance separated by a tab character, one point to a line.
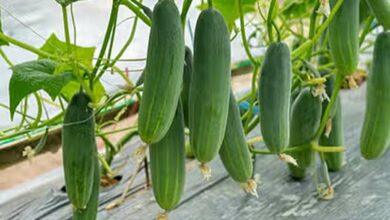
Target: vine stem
184	11
27	47
243	34
269	21
137	11
111	23
301	49
5	57
335	92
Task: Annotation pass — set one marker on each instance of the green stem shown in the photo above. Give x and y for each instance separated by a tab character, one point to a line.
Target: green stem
313	22
184	11
243	33
66	27
305	46
28	47
210	2
270	21
111	23
5	57
39	113
137	11
121	52
335	92
366	30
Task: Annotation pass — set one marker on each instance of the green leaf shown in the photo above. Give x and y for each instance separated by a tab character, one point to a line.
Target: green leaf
229	9
83	55
74	87
35	75
297	8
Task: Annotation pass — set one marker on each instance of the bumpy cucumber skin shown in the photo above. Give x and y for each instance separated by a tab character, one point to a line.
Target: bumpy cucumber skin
344	36
163	76
210	85
375	136
79	150
90	212
334	161
381	10
167	164
187	74
234	151
274	97
305	121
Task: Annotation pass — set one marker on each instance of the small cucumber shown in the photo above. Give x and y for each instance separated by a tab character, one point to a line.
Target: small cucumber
274	97
305	121
167	164
234	151
344	36
375	136
79	150
187	74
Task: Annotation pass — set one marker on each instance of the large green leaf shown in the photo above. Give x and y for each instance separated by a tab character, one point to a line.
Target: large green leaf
229	9
83	55
35	75
297	8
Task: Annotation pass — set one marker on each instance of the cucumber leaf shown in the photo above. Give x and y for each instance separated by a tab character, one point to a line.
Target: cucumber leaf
35	75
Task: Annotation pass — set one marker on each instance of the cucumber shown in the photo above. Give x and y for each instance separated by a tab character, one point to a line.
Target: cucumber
167	164
90	212
381	10
185	93
210	85
234	151
305	121
79	150
274	97
344	36
375	136
334	161
163	75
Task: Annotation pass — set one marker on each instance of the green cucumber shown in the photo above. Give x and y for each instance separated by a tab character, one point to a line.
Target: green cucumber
344	36
167	164
185	93
381	10
79	150
90	212
163	75
305	121
334	161
375	136
210	85
234	151
274	97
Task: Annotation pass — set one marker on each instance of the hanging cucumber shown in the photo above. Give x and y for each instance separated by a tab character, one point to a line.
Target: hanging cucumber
90	212
274	97
167	164
381	10
234	151
79	150
187	73
305	121
375	136
163	72
334	161
210	85
344	36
